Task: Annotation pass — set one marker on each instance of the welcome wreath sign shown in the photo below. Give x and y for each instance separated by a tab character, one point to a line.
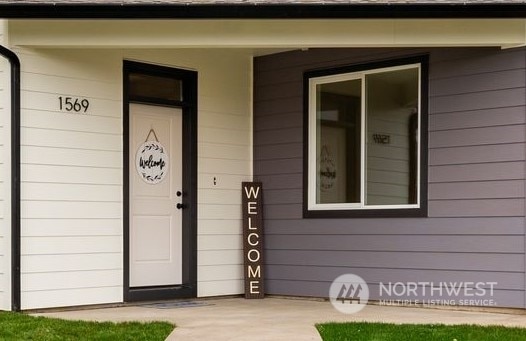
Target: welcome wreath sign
152	162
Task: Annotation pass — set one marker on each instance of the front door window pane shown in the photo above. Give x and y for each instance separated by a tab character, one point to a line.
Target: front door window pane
155	87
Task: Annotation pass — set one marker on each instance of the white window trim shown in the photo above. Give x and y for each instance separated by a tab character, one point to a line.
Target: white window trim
312	146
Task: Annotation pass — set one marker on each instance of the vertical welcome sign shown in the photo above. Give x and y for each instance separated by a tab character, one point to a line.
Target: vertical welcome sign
252	202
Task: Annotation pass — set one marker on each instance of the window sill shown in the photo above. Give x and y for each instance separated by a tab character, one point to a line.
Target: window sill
367	213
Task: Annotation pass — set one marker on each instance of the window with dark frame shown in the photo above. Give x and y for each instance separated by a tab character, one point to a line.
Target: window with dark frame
150	88
364	141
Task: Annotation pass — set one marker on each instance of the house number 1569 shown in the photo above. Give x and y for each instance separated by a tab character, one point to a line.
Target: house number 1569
73	104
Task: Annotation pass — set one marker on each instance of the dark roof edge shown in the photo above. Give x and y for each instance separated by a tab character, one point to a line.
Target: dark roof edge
260	11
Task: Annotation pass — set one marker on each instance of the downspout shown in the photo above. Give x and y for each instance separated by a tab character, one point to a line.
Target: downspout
15	176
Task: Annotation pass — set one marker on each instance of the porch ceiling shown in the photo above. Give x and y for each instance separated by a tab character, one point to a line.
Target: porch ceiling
268	34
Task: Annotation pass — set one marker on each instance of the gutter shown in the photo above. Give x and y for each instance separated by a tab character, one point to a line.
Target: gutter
86	10
15	176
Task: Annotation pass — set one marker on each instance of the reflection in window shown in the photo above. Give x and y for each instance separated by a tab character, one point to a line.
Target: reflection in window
365	140
155	87
339	136
392	102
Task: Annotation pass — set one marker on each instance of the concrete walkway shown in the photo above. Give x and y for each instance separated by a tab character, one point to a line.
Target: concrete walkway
276	318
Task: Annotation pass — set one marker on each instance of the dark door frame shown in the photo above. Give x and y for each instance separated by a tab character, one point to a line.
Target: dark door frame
189	176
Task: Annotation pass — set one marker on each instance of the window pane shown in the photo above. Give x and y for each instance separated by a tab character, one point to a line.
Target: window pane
338	128
155	87
392	137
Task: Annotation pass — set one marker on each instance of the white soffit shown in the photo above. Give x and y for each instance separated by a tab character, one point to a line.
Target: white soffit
263	34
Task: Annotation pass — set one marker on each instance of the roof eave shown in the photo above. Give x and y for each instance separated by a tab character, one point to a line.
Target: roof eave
259	11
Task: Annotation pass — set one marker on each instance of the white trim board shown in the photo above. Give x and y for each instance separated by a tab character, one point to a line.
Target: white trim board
276	34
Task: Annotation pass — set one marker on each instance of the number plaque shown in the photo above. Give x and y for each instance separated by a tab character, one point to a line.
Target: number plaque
73	104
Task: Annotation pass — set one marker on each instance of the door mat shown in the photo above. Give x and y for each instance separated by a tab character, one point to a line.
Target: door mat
176	305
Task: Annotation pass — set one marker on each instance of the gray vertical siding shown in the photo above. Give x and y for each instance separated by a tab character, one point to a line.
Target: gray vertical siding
475	229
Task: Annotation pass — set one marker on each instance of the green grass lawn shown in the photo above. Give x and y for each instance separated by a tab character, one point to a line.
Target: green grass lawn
17	326
363	331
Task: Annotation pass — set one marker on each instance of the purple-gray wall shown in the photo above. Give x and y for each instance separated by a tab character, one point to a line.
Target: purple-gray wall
475	229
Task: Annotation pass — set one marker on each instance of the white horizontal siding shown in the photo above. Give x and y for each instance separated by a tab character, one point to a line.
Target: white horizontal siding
67	245
70	210
67	86
217	196
71	297
222	272
71	227
99	66
70	122
70	279
219	212
71	179
72	171
225	154
226	287
55	263
71	175
44	101
55	138
225	166
220	227
219	242
226	151
223	136
223	181
71	192
220	257
230	121
33	155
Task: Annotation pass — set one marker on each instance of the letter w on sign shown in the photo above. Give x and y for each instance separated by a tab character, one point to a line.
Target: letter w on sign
252	206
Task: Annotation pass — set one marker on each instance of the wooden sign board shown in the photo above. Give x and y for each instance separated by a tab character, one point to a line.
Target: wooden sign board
252	202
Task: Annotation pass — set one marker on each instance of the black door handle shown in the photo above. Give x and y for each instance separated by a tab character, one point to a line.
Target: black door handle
179	206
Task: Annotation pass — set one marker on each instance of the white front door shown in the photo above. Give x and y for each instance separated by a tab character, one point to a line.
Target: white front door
155	219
